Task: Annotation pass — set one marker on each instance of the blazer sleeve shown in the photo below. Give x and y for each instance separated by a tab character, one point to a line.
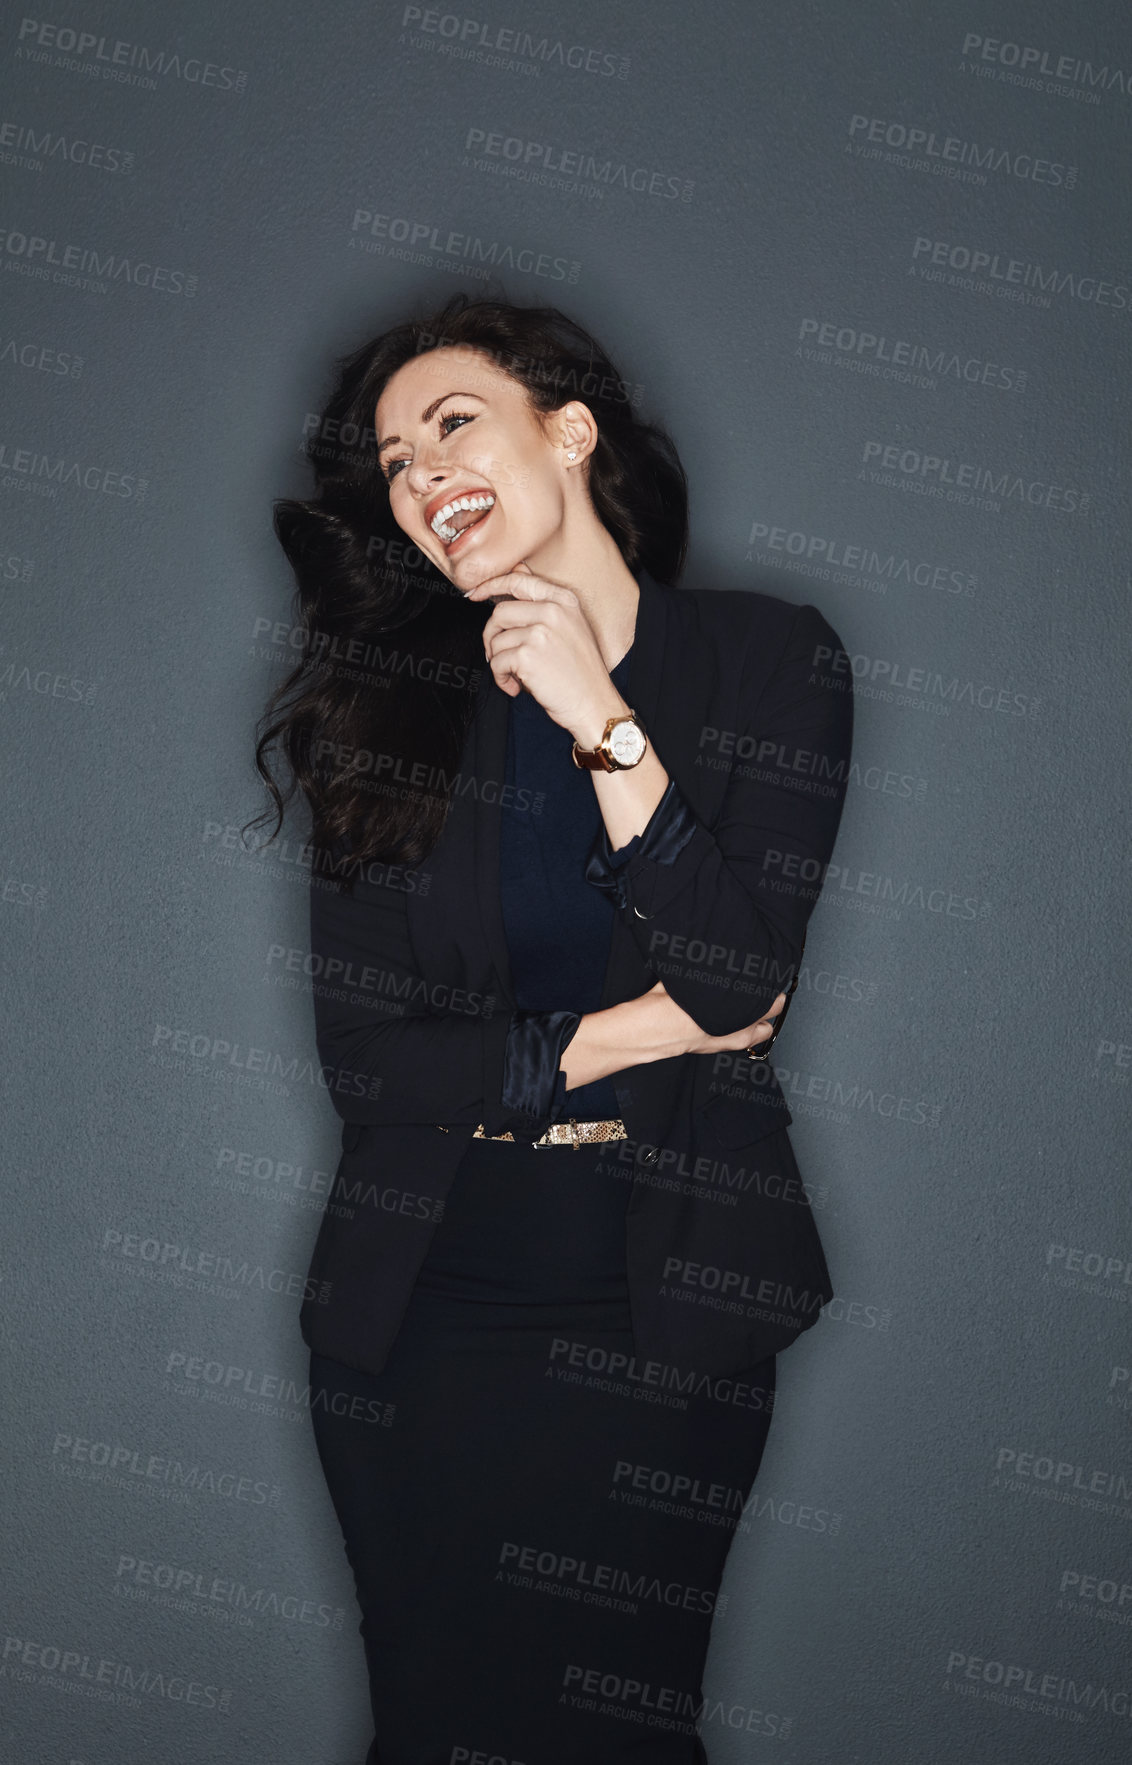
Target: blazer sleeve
723	912
394	1048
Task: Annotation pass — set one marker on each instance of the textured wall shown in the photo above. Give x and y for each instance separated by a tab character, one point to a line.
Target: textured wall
871	266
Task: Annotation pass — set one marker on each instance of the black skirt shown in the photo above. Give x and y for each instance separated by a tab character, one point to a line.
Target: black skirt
537	1519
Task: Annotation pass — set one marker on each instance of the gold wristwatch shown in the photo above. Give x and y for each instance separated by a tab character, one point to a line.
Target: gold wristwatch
622	745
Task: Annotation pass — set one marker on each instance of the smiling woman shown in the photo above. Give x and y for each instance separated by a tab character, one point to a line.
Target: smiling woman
478	443
533	1265
467	401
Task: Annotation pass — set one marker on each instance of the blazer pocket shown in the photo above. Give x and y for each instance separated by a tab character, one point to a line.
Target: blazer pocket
729	1121
778	1220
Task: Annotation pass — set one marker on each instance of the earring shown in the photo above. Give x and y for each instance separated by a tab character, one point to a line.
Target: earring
572	456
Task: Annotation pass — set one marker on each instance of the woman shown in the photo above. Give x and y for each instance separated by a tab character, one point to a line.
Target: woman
570	820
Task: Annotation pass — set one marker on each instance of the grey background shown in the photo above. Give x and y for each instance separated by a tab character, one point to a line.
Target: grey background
958	1059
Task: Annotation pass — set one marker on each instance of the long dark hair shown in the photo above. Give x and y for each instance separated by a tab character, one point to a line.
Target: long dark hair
372	719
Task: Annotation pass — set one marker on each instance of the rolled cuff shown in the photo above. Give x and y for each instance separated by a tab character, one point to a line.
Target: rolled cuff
666	833
533	1083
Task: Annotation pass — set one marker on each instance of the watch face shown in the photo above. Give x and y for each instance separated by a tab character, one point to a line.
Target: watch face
626	742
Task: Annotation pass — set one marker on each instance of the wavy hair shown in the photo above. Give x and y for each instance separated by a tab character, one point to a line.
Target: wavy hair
371	720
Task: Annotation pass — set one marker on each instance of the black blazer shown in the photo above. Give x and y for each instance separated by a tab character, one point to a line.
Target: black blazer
751	714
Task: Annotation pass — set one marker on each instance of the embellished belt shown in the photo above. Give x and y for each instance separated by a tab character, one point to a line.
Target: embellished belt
567	1133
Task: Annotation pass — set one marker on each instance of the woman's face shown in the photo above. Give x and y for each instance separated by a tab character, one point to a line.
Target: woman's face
450	423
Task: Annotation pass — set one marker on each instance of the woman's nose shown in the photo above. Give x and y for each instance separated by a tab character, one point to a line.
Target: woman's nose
425	476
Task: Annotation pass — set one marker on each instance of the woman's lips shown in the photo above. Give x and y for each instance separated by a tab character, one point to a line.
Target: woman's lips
473	527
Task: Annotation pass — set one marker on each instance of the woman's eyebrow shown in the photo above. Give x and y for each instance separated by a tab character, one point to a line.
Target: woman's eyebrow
427	414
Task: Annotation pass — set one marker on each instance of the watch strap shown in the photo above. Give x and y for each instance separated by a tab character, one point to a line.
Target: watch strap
592	759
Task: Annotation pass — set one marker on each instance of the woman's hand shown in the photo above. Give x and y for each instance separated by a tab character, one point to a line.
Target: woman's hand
697	1041
650	1027
542	641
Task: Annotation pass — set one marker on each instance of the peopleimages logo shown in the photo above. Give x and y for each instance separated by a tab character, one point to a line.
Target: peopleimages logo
48	683
176	1261
40	358
426	242
1011	1682
919	148
505	46
489	150
86	266
113	1463
861	351
874	677
112	1681
593	1583
831	558
667	1707
217	1056
1105	1596
115	58
1060	1474
52	471
1042	70
273	1394
1016	278
189	1589
30	148
965	481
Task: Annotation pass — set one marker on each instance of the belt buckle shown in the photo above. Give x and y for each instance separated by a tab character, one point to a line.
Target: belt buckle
542	1142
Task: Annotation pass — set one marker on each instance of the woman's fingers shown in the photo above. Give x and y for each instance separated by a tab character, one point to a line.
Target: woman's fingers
505	642
505	661
523	638
505	671
524	585
517	612
760	1031
497	638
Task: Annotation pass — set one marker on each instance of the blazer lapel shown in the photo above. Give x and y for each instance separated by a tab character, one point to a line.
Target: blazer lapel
453	928
478	813
648	648
623	969
489	761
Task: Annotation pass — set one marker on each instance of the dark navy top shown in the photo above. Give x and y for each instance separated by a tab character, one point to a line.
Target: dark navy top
558	924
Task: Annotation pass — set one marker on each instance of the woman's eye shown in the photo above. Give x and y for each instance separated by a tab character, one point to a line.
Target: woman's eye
451	417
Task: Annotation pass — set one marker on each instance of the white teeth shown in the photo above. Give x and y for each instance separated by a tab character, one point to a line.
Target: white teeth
439	522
